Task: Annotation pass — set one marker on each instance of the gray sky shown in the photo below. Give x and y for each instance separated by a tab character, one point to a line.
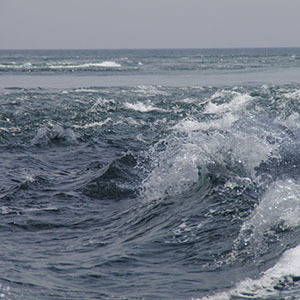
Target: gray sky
99	24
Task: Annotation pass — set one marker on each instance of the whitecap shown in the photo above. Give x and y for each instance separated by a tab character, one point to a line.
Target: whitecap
269	283
104	64
194	144
4	129
141	107
54	133
82	90
151	90
189	100
292	95
5	292
133	122
174	170
103	105
93	124
236	103
189	125
13	65
279	207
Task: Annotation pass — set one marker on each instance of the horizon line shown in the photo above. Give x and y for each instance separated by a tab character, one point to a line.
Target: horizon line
162	48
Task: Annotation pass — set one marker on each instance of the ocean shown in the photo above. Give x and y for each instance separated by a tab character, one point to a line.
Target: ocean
150	174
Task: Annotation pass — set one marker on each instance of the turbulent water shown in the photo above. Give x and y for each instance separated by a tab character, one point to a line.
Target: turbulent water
150	174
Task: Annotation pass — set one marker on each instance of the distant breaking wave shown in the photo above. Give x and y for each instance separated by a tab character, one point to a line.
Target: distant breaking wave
60	66
104	64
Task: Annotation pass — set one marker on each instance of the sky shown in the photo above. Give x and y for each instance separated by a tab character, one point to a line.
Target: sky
110	24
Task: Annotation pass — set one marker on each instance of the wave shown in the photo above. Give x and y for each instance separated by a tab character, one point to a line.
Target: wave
246	160
151	90
60	66
283	276
213	184
236	102
83	90
54	134
231	129
177	159
114	181
278	209
93	124
141	107
14	65
104	64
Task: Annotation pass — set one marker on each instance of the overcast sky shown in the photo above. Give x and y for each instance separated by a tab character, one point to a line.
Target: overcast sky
99	24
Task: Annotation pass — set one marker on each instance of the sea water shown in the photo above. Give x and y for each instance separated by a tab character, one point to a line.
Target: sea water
150	174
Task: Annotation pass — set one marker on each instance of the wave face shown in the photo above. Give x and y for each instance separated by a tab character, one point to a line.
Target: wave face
146	191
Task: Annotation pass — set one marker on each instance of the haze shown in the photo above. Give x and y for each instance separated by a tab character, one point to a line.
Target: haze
102	24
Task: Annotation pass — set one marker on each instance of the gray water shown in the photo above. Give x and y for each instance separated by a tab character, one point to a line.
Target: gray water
150	174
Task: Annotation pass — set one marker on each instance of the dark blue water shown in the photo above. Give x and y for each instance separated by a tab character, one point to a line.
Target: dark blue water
150	174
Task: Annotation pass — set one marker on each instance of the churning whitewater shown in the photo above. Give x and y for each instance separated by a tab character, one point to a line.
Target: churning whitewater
150	174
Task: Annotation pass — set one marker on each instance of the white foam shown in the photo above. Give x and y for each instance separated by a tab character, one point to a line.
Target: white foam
151	90
189	100
238	101
194	144
189	125
4	129
286	268
43	208
52	132
13	65
29	65
104	64
292	95
132	121
142	107
13	130
175	170
5	292
103	105
292	121
82	90
231	135
93	124
280	206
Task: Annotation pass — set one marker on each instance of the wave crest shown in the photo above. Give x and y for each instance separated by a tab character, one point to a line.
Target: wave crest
54	134
114	181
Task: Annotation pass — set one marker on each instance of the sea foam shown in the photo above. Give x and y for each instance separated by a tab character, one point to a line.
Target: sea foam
104	64
142	107
278	210
285	273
